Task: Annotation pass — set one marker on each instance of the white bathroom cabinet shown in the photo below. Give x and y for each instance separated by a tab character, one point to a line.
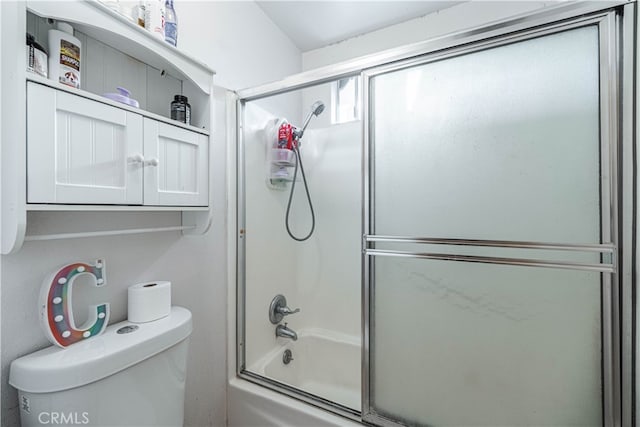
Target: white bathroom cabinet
78	150
176	169
68	149
83	151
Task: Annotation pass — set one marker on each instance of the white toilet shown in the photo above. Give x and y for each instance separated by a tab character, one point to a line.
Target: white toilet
132	375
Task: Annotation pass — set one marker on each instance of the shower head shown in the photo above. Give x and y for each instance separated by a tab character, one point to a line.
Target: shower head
316	109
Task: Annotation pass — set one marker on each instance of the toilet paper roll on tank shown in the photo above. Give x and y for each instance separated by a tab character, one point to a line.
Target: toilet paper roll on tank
149	301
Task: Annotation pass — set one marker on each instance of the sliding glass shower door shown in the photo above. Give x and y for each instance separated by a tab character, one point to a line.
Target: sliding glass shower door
491	233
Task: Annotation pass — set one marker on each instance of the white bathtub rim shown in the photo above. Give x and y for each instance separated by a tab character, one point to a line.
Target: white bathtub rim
259	366
278	401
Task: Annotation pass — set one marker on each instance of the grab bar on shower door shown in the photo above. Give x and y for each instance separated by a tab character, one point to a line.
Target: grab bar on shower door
606	249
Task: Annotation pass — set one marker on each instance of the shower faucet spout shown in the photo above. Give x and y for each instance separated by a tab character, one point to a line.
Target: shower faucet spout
284	332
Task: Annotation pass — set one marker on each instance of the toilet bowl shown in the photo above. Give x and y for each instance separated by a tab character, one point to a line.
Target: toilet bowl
132	375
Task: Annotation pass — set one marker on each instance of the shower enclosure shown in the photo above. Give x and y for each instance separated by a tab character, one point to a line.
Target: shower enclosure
472	261
321	275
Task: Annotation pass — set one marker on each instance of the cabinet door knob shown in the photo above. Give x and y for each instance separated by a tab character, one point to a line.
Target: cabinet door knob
152	162
136	158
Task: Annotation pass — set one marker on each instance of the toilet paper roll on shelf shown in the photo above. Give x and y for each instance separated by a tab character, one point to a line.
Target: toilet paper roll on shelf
149	301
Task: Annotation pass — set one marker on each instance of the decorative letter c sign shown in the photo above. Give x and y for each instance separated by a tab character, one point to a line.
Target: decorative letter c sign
56	309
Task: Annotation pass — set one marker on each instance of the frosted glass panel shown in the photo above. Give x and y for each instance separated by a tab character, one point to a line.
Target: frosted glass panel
501	144
481	345
498	144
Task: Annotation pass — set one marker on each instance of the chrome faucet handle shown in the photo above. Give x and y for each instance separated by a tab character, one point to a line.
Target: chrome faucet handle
285	311
278	309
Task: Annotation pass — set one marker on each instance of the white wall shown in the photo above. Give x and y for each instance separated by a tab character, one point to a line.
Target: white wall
328	273
237	40
215	33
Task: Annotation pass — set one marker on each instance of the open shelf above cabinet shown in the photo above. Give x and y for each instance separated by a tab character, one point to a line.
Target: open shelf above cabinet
98	21
88	95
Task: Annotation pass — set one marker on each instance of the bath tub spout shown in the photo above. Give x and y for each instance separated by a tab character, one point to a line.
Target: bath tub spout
284	332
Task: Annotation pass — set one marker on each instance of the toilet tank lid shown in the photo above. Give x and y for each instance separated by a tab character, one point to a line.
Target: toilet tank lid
54	369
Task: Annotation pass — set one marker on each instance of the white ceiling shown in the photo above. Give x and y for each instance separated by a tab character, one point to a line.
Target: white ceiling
314	24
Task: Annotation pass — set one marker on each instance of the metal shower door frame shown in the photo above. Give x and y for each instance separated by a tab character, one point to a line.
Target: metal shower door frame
617	225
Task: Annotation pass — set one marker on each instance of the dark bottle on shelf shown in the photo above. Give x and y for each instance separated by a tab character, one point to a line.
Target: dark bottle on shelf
180	109
37	58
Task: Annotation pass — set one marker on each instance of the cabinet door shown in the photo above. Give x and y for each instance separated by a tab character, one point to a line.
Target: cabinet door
176	166
80	151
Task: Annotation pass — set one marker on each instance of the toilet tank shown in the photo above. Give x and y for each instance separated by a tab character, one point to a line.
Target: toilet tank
132	375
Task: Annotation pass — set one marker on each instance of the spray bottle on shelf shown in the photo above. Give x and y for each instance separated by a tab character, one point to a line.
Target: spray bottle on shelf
154	17
170	24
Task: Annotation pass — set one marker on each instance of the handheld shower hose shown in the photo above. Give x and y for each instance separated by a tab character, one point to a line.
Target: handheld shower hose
316	109
306	188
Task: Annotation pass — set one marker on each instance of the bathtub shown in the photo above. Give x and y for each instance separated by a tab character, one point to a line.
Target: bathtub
325	364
